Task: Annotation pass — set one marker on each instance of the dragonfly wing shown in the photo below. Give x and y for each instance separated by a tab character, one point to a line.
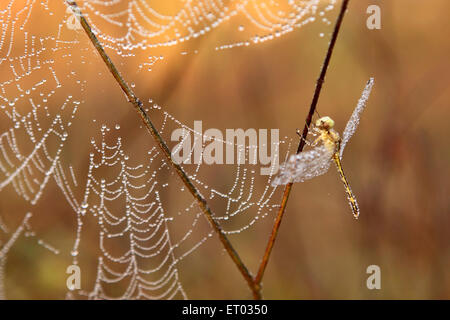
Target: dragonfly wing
304	166
353	122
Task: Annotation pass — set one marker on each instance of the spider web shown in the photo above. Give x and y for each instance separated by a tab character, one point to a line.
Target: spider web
125	25
9	238
141	236
125	199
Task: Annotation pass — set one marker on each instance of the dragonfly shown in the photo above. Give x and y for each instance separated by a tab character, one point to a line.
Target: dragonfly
328	148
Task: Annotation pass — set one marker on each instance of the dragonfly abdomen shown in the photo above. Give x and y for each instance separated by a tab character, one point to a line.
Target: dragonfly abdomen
351	198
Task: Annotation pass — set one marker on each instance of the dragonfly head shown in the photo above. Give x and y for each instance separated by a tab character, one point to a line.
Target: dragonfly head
325	123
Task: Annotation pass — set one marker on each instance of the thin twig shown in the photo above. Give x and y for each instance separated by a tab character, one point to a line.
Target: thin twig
287	189
137	104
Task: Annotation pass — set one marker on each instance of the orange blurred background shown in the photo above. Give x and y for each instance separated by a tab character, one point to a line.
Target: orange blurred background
396	163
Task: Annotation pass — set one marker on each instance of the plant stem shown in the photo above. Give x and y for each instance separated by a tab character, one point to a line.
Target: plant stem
312	109
137	104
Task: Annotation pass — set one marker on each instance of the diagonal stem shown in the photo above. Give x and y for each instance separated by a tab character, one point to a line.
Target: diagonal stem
138	106
312	109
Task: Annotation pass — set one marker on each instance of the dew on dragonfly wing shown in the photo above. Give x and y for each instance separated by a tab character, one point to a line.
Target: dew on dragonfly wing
309	164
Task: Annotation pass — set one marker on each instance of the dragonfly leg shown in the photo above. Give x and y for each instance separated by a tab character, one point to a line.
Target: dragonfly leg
301	137
316	141
311	131
315	131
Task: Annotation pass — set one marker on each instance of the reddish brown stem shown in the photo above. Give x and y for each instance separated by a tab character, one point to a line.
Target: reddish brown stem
312	109
138	106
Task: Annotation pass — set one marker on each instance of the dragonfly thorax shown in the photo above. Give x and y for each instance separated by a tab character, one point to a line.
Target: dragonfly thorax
330	139
327	135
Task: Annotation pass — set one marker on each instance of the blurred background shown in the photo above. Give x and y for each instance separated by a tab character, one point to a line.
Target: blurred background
396	164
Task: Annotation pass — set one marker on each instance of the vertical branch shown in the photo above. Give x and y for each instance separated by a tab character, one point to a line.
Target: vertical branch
138	106
312	109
